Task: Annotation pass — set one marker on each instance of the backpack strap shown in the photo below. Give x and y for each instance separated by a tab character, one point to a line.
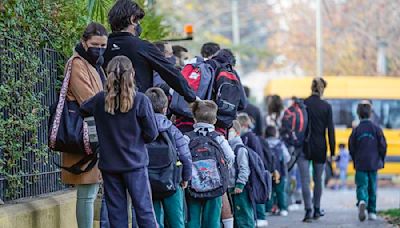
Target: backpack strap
76	168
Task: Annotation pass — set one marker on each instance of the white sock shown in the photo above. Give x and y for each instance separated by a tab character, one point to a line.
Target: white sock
228	223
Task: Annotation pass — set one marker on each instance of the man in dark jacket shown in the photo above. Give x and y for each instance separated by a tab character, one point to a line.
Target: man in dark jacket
315	149
255	114
367	146
124	20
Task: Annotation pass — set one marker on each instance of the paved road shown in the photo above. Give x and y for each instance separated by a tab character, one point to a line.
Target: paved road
340	211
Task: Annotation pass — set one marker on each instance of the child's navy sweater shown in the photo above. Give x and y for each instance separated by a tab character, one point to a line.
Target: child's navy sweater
367	146
122	137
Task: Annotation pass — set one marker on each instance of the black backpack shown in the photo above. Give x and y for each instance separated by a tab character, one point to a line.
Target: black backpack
260	180
164	174
228	90
209	171
268	156
294	124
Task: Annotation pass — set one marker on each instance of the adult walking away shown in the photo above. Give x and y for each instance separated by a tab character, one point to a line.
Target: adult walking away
86	80
124	18
315	148
125	122
254	113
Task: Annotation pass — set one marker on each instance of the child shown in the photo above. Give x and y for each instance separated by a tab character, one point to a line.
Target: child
204	205
125	123
239	176
282	157
342	163
367	146
171	205
252	141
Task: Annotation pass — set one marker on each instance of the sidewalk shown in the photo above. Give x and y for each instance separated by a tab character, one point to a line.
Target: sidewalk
340	211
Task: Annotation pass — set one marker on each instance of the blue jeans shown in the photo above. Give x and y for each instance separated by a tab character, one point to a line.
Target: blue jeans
86	195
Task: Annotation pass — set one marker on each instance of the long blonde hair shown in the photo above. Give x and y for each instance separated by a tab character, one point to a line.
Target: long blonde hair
120	85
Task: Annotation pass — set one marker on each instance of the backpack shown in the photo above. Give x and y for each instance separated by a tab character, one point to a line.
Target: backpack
200	77
209	170
164	174
279	161
228	90
260	181
294	124
269	156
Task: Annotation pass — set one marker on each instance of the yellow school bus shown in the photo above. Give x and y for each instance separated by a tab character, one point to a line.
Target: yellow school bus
344	93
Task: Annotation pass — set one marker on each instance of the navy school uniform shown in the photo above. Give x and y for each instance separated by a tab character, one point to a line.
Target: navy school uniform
123	157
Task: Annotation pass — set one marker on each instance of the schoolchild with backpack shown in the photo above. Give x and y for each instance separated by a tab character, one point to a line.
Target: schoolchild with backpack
238	179
170	165
211	158
251	141
282	156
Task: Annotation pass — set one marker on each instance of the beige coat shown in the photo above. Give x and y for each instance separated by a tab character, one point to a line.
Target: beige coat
84	83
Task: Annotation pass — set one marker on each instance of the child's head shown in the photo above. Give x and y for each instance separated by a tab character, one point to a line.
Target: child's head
158	99
235	130
342	146
364	111
205	111
244	121
120	85
271	131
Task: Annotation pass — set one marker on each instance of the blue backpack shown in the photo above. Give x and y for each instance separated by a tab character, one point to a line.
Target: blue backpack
200	77
260	179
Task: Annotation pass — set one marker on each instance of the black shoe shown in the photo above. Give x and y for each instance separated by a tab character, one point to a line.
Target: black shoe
308	216
317	213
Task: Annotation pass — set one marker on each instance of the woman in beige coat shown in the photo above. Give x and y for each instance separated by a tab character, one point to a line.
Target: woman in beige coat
86	80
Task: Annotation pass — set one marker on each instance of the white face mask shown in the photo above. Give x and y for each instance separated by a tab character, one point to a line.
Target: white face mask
231	134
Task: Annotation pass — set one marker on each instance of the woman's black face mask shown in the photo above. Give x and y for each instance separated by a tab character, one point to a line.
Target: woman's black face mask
96	55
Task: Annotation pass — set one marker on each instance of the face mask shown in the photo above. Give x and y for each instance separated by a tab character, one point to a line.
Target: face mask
186	61
138	30
95	54
231	135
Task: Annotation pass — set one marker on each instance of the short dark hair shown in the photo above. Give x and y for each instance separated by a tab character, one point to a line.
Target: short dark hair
94	29
246	91
342	145
120	14
205	111
270	131
364	111
178	49
160	46
209	49
158	99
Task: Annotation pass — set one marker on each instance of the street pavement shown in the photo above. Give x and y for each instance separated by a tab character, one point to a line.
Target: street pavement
340	211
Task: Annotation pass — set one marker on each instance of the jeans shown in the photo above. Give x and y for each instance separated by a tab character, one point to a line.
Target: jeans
318	170
86	195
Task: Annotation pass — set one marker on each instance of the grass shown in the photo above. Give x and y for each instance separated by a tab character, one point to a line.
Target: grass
392	216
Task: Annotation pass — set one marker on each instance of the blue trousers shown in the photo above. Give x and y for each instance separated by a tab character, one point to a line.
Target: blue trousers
104	223
138	186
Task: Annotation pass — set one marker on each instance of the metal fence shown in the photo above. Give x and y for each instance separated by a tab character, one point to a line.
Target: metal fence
39	176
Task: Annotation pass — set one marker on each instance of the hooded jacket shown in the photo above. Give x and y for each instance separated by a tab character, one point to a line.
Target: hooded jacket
182	144
367	146
240	172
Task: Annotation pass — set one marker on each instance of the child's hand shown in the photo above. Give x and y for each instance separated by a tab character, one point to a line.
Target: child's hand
238	191
276	176
184	184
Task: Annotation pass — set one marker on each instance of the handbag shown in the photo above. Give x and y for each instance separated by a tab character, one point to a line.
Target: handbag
68	132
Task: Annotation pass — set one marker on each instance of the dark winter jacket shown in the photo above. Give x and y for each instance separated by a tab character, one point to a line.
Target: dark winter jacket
182	145
122	137
320	117
252	141
367	146
145	58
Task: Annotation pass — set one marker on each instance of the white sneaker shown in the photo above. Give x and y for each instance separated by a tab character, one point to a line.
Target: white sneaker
284	213
261	223
372	216
294	207
362	215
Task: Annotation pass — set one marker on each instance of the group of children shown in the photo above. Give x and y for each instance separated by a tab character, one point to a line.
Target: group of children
208	165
